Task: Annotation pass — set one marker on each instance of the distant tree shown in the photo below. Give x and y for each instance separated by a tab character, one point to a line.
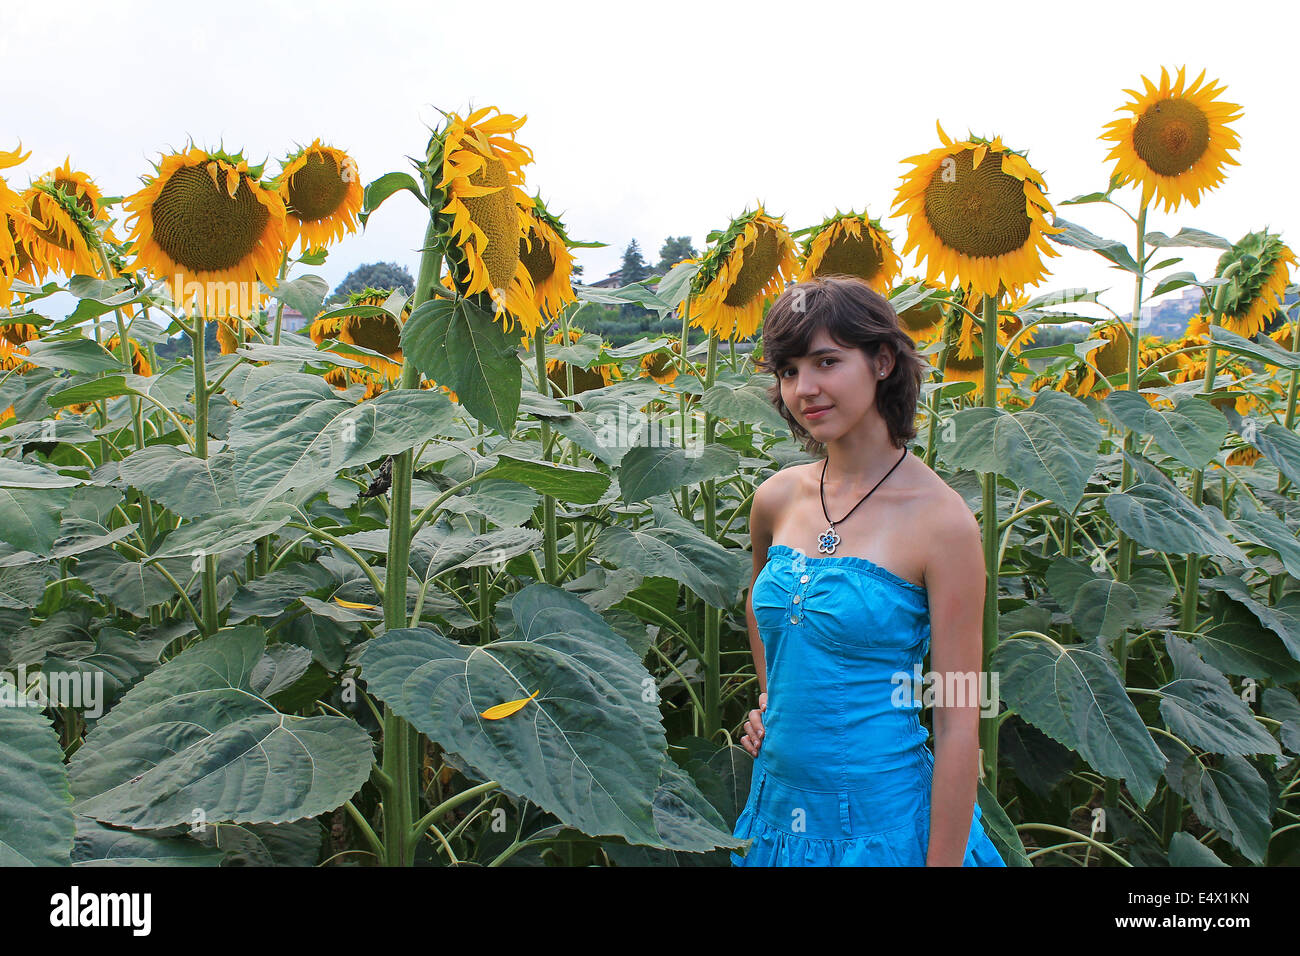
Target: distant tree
576	271
634	270
673	251
634	265
374	275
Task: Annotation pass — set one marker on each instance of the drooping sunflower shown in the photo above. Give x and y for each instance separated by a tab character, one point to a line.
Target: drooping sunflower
1009	323
660	365
473	179
370	327
206	218
1255	291
544	252
13	346
1111	359
584	379
14	260
852	245
65	209
924	322
975	213
139	361
321	190
749	261
1175	141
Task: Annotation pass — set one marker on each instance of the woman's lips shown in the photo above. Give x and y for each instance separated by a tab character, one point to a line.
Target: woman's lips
813	416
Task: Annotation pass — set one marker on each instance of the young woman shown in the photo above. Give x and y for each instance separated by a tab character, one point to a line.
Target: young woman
863	560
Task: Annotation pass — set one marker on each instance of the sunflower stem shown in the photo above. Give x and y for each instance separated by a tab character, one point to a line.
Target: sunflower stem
279	309
712	616
403	744
209	574
989	519
551	559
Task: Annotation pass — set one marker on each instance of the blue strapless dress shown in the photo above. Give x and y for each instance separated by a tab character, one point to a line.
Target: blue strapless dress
844	775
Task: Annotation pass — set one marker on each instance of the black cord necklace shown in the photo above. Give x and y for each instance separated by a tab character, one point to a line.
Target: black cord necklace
829	540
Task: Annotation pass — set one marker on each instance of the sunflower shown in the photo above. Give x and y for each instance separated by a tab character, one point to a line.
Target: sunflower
659	364
1245	455
584	379
1009	323
206	218
924	322
1110	359
139	363
975	213
14	259
13	346
850	245
473	179
321	190
544	252
1176	141
1255	292
370	328
64	206
752	259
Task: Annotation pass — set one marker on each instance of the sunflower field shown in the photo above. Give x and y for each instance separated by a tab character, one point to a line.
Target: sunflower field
448	580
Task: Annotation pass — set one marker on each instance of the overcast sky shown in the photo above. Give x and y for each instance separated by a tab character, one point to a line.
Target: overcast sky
657	119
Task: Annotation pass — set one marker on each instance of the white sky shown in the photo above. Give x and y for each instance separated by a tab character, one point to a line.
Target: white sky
657	119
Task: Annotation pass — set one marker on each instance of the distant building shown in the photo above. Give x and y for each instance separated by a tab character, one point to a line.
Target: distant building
611	281
291	321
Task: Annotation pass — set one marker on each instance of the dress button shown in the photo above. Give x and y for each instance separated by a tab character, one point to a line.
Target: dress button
804	579
794	620
796	599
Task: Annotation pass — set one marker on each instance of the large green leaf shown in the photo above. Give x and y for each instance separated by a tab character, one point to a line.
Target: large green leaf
29	518
458	345
579	485
646	471
1279	444
1073	694
1282	617
1049	448
1192	432
293	433
587	748
98	845
1264	527
23	474
1240	645
194	737
1164	519
75	355
36	821
186	485
1226	793
747	403
1199	706
130	585
227	530
1098	606
676	549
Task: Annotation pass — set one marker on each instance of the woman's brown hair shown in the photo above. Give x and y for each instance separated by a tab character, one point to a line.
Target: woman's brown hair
855	316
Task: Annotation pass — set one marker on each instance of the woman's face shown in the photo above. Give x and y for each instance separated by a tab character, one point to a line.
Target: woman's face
832	388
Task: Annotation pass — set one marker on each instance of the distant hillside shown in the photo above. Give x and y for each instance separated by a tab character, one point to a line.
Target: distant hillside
1168	317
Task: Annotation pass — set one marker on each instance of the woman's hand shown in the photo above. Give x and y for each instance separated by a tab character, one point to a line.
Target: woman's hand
753	736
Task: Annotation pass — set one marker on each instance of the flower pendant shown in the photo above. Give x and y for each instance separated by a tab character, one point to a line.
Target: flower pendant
827	541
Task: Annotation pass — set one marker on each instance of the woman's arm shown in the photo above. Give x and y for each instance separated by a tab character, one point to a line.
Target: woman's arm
760	539
954	580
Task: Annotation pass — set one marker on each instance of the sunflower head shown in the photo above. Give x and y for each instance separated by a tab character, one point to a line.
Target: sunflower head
1009	322
61	232
14	260
368	327
976	213
206	223
321	191
851	245
1174	140
473	178
1255	290
753	258
13	346
544	253
584	379
660	365
139	362
925	322
1110	359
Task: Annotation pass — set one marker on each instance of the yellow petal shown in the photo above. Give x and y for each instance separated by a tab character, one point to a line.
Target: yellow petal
353	605
508	708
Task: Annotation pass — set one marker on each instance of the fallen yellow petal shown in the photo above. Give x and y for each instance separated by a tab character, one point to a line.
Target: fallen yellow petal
353	605
508	708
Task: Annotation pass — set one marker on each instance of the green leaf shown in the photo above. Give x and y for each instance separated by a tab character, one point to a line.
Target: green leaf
1279	444
1239	645
458	345
385	186
579	485
29	518
1098	606
129	585
195	736
24	587
1049	448
1165	520
186	485
1262	349
1200	707
748	404
674	287
303	294
1073	694
227	530
1282	618
1197	238
676	549
1080	238
646	471
292	433
73	355
1171	282
98	845
36	822
1186	850
266	844
1192	432
1228	795
587	748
